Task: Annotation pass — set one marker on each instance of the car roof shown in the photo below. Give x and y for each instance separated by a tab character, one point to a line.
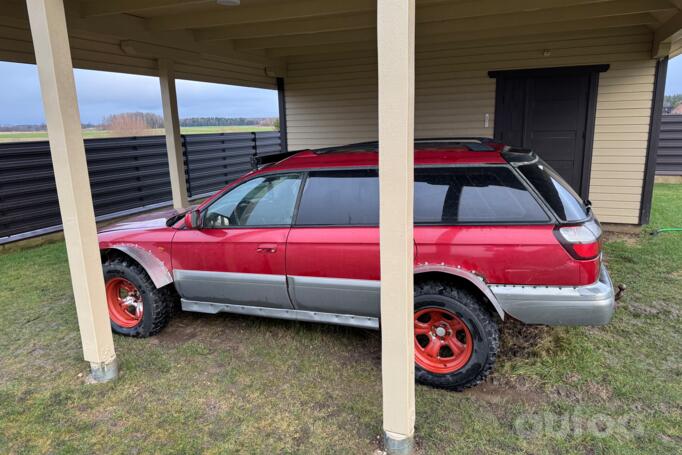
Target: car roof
426	152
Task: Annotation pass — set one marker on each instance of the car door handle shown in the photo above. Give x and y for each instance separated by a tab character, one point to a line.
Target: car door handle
266	248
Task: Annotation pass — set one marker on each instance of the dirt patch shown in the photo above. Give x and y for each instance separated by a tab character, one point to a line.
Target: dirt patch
518	340
183	328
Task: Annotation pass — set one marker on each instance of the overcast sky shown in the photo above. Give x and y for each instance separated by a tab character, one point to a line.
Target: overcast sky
673	83
101	94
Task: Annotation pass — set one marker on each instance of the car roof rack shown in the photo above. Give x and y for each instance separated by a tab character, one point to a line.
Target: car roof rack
473	143
518	155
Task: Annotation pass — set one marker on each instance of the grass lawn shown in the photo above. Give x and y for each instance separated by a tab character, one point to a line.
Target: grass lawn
19	136
232	384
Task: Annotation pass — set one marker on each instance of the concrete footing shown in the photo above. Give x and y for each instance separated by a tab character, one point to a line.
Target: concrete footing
395	444
104	371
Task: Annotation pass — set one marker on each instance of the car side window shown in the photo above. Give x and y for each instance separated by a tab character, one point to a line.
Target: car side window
340	198
486	194
261	201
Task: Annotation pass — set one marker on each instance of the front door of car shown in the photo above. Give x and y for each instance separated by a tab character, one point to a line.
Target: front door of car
333	248
237	254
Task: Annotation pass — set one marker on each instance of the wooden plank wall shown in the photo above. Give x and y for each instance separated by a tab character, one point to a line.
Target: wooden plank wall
332	99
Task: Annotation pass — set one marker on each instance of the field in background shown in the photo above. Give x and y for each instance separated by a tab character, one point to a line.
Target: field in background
19	136
235	384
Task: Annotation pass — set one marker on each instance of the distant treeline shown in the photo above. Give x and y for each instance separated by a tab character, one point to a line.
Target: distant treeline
36	127
138	121
225	121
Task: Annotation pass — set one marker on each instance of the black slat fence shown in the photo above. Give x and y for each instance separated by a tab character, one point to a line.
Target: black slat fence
127	175
669	156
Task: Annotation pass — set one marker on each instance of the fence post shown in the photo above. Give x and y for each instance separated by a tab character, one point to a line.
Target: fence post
185	161
255	143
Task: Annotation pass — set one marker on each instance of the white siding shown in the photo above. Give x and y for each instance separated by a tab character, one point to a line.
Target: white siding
332	100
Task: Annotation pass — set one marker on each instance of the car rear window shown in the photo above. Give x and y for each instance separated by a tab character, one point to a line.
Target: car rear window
471	195
340	198
565	202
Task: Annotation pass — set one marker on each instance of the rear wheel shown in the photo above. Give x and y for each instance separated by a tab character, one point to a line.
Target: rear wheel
136	307
456	338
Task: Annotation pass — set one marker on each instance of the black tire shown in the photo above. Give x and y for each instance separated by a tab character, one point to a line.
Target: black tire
157	303
481	324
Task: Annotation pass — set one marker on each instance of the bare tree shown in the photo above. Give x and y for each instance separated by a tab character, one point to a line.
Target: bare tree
132	123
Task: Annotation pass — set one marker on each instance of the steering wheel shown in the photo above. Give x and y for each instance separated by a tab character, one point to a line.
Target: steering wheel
239	212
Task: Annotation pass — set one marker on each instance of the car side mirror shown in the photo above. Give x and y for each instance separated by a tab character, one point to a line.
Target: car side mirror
192	219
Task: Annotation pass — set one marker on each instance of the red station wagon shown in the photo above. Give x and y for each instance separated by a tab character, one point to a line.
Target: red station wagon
497	234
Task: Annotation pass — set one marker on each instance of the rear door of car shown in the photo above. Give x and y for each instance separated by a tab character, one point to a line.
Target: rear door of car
332	258
237	256
483	220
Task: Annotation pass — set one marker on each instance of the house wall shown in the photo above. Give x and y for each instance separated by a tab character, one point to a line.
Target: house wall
332	99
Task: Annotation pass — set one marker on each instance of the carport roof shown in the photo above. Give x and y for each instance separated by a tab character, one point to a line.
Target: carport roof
249	44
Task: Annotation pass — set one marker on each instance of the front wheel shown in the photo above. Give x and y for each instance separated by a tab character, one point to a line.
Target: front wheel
136	307
456	338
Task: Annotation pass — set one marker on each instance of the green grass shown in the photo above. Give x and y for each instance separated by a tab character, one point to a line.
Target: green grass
230	384
18	136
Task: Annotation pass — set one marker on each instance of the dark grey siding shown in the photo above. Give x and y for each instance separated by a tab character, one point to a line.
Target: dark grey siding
669	157
127	175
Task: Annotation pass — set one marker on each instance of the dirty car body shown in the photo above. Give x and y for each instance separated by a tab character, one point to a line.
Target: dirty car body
299	239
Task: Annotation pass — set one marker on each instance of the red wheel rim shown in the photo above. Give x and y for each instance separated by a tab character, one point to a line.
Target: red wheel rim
125	302
442	341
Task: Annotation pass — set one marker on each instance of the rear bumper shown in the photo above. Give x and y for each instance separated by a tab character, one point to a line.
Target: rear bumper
559	305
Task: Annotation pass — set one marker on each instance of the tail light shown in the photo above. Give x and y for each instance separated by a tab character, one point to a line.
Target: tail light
581	241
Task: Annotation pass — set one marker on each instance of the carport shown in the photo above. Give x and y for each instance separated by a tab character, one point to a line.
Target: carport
346	73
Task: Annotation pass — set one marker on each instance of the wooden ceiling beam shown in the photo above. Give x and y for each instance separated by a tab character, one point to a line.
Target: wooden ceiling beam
428	13
570	9
483	35
260	13
303	40
461	28
108	7
632	20
283	28
465	16
610	9
429	10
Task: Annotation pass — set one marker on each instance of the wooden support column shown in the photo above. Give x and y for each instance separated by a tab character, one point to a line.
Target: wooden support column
395	45
171	123
53	57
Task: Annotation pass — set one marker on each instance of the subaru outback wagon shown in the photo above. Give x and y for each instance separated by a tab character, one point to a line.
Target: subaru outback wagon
497	234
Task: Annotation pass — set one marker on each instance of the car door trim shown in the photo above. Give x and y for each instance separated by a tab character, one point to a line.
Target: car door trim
253	289
335	295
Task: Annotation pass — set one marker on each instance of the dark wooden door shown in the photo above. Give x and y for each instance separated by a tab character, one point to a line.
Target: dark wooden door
549	113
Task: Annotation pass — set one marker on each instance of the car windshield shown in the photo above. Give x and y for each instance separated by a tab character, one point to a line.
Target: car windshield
565	202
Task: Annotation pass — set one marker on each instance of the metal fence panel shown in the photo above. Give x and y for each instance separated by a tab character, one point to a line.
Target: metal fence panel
669	156
126	175
213	160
